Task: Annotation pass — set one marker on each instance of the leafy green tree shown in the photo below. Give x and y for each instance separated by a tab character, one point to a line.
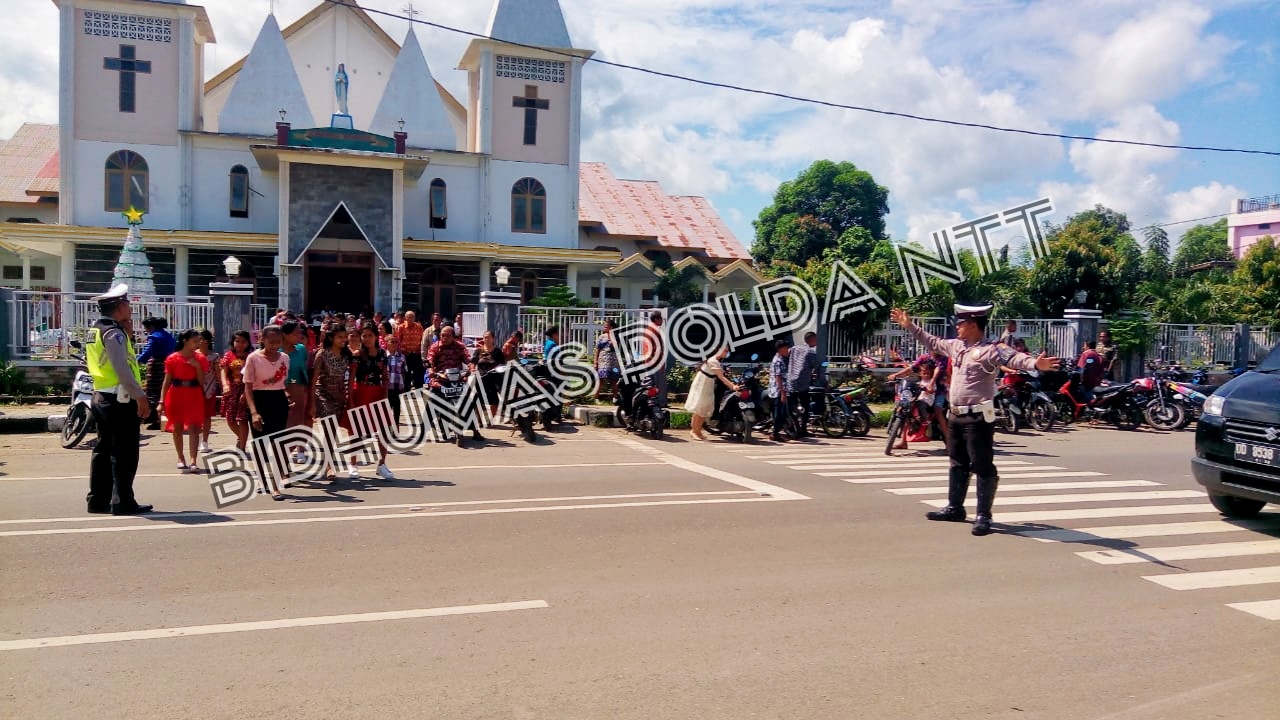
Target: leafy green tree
1093	251
1201	244
680	287
816	210
1258	279
559	296
1155	261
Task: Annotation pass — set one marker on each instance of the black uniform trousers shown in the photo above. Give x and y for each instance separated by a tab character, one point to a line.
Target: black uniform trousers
115	457
972	452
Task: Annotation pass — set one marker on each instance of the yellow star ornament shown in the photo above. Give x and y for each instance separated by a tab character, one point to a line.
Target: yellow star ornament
133	215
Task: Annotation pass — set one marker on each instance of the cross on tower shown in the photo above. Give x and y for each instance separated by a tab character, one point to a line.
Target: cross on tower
531	104
128	66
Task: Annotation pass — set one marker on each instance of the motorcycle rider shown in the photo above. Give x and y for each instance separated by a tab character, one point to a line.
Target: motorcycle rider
975	364
449	354
1090	364
119	405
778	388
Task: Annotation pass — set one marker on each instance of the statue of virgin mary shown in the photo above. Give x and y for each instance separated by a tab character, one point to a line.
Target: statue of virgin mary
340	85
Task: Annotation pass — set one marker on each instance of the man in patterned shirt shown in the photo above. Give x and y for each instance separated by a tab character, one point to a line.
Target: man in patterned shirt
410	333
449	354
975	363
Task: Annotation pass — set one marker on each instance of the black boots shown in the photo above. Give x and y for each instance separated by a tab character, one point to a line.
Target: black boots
986	496
957	489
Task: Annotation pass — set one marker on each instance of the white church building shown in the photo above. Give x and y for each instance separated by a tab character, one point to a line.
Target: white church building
331	163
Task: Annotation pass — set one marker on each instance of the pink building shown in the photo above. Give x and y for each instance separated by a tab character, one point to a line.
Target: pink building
1251	220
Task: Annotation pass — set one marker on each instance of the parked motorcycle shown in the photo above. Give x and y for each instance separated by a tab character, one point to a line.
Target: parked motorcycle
553	415
79	420
1111	403
735	413
1026	395
638	409
1161	407
845	410
523	420
1009	413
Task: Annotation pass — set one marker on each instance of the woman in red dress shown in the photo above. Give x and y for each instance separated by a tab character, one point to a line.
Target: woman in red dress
234	407
369	383
212	376
182	395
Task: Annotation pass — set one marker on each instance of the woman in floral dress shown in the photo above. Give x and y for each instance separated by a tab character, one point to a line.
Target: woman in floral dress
234	407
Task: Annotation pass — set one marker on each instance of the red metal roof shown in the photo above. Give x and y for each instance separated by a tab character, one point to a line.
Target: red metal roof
640	209
24	158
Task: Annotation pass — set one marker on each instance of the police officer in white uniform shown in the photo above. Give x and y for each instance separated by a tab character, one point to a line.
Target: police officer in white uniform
975	362
119	406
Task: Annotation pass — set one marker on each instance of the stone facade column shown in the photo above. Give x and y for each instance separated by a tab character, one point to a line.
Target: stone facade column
1084	324
501	313
26	270
180	274
231	312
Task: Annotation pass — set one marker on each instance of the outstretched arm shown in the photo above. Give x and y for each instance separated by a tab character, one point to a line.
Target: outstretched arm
935	344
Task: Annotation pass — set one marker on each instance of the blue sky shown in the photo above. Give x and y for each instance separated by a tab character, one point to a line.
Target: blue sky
1192	73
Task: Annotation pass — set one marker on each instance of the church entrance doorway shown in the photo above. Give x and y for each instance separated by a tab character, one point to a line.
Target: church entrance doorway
340	281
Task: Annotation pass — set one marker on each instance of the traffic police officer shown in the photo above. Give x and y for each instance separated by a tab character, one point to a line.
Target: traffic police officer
119	406
975	363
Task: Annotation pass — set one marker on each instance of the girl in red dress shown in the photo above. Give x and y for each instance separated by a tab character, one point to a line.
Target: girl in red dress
182	395
369	383
212	401
234	407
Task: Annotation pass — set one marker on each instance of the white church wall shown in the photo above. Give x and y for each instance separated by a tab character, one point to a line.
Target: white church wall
462	177
212	185
336	37
560	186
163	194
214	101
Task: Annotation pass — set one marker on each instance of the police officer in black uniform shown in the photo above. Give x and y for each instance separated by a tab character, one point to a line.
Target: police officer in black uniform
119	406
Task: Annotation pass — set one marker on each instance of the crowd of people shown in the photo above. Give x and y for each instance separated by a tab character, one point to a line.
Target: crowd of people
301	371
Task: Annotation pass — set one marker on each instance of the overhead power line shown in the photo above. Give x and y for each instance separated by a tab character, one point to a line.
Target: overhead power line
819	102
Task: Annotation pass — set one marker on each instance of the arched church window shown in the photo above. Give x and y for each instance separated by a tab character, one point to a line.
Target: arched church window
528	207
528	287
126	182
239	201
437	292
439	207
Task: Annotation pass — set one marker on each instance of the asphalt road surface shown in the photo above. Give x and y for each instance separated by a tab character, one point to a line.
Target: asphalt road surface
600	575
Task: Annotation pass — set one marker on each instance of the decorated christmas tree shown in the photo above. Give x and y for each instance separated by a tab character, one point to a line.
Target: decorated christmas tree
133	268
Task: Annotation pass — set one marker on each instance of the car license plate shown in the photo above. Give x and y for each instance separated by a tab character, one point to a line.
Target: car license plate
1261	454
746	405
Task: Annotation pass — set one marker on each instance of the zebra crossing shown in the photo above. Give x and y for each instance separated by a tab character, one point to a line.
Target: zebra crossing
1033	493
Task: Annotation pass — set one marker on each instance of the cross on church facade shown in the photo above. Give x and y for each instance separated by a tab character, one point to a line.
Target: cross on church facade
531	104
128	65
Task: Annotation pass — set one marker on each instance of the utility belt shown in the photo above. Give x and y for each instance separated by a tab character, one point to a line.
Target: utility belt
113	394
986	408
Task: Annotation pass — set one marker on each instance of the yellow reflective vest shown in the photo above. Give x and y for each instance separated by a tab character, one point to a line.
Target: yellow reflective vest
95	356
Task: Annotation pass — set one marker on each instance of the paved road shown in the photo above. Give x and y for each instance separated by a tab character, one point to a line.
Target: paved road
607	577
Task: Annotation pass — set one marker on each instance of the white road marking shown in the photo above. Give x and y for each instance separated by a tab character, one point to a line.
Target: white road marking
189	631
917	466
1032	486
1103	512
357	508
1265	609
1218	578
868	454
523	466
395	516
1020	474
1122	532
772	491
875	472
1084	497
873	463
1182	552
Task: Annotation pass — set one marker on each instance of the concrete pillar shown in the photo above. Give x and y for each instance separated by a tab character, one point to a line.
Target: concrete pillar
706	291
180	269
571	277
26	271
486	278
1244	346
67	271
231	312
1084	322
501	313
603	278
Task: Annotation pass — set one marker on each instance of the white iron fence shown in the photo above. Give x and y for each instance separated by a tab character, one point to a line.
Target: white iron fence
42	325
580	325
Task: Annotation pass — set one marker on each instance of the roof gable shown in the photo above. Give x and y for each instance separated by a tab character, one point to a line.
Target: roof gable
267	82
529	22
411	96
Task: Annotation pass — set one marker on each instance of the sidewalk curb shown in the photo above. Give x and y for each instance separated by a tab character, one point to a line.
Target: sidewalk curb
29	425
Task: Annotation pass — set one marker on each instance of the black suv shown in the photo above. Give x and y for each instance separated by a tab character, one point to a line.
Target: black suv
1238	441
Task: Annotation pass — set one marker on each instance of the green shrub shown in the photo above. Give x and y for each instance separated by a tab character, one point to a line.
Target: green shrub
681	420
13	379
603	421
881	418
679	378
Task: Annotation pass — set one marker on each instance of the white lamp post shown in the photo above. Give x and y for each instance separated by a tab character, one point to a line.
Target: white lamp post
503	275
232	266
